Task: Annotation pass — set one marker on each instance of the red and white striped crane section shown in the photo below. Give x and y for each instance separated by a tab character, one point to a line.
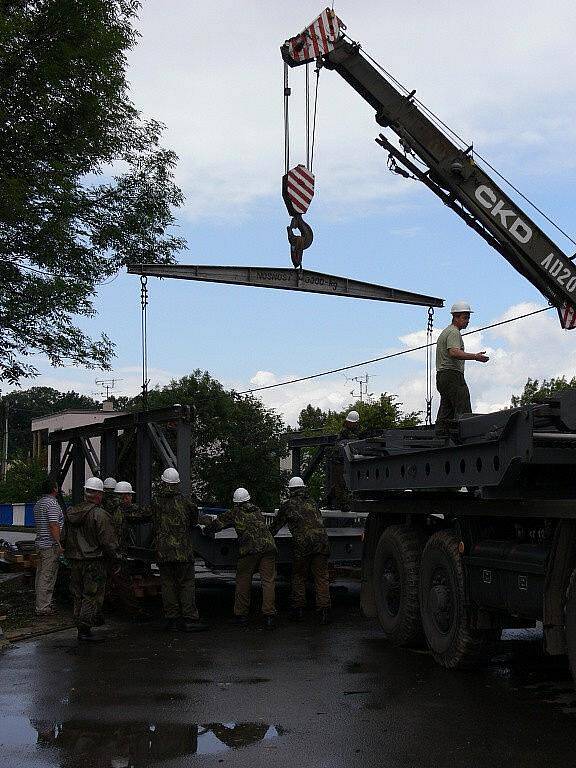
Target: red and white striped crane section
317	39
298	189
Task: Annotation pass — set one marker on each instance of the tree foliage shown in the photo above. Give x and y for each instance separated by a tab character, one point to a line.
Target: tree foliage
26	405
534	391
384	413
236	441
86	186
23	482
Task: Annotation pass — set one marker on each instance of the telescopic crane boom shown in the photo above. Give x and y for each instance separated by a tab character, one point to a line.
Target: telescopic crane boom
450	171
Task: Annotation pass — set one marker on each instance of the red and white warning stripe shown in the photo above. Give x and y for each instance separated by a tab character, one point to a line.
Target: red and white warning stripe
298	189
317	39
567	314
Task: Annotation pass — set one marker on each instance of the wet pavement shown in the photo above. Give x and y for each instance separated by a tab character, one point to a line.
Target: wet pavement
304	695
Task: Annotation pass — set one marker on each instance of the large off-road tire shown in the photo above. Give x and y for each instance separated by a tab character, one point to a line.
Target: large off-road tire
570	619
395	579
442	604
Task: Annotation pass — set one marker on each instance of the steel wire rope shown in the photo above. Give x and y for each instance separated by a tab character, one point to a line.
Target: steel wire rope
390	355
450	132
286	121
314	119
307	89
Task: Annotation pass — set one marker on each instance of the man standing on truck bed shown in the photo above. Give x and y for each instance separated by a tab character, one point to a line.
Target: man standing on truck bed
450	359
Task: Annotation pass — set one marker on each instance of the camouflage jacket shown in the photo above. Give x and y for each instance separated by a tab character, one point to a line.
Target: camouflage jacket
111	503
174	516
88	533
305	523
254	538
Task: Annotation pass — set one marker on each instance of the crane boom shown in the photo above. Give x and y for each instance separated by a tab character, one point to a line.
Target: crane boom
451	172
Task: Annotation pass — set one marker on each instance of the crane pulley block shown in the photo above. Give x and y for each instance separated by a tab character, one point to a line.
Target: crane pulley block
297	192
316	40
298	189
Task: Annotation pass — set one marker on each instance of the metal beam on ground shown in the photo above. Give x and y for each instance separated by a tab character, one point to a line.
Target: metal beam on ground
286	279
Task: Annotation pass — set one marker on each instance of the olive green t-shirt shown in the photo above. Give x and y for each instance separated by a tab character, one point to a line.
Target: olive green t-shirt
450	338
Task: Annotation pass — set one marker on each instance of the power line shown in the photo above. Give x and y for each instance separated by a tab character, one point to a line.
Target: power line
389	356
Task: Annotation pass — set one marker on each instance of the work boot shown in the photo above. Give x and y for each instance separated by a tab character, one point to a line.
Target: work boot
269	622
296	614
171	625
193	625
85	635
325	616
239	621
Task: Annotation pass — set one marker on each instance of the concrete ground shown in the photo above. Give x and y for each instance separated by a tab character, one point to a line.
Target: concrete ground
303	695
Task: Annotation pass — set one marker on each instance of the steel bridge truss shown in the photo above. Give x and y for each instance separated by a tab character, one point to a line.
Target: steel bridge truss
143	434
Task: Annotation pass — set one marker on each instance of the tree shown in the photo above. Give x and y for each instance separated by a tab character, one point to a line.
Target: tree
25	405
235	440
384	413
23	482
535	392
86	186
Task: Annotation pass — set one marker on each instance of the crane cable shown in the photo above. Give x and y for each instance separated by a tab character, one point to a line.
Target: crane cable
390	355
286	121
144	339
450	133
429	367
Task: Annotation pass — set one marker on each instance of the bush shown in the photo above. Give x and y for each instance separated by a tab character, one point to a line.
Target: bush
23	482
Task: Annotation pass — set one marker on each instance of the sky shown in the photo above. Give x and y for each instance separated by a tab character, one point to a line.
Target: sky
500	75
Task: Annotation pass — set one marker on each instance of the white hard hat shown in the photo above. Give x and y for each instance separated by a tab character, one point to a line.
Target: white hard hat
296	482
460	306
94	484
171	476
109	484
353	417
240	495
123	487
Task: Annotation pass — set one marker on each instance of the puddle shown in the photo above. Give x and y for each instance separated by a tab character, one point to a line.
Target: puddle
92	742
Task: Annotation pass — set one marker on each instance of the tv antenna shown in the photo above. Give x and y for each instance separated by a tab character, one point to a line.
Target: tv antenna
362	392
107	386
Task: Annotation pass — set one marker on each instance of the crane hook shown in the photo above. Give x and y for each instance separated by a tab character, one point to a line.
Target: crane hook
299	242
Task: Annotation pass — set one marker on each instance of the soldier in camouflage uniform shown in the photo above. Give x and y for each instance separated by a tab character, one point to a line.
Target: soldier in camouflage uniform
174	517
257	553
311	548
110	501
89	545
338	495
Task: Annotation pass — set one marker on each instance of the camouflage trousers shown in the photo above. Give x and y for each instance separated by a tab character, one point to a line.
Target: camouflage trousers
317	565
178	590
88	585
245	569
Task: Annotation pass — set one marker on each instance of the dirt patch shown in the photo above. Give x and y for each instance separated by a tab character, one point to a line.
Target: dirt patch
21	622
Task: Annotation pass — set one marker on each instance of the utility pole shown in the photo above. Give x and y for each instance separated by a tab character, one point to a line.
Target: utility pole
362	382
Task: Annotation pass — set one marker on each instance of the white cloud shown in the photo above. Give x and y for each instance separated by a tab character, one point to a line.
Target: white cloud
213	74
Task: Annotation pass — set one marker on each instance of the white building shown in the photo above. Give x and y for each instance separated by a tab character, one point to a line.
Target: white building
73	417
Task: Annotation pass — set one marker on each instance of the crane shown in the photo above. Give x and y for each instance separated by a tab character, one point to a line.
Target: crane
450	171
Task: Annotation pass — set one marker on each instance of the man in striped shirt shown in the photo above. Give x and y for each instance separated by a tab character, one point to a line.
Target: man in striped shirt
49	519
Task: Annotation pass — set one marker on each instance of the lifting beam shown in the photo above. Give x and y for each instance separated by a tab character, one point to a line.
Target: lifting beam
286	279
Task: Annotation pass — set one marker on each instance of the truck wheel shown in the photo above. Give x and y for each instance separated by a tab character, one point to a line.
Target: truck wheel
442	600
396	565
570	618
